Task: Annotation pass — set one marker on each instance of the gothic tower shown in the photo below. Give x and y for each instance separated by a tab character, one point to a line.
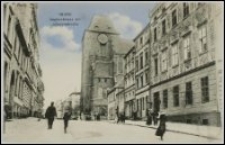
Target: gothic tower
102	50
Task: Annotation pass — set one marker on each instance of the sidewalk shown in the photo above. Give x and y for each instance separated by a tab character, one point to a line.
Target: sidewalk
203	131
30	130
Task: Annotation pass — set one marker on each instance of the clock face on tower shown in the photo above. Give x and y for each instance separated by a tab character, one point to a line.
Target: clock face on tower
102	38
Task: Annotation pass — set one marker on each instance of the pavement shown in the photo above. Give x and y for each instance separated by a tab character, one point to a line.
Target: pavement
196	130
31	130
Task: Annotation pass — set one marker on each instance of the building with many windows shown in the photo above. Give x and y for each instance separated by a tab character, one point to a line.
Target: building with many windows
23	87
129	86
142	71
184	57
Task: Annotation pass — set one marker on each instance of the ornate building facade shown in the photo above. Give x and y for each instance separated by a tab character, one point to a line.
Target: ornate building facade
184	57
23	87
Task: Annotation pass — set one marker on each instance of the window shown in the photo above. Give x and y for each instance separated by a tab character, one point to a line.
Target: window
203	39
136	64
16	46
163	10
205	122
164	27
156	66
189	98
105	80
141	40
205	89
176	96
20	59
142	81
141	61
187	52
186	9
146	77
165	99
188	121
146	57
175	55
99	80
174	18
155	34
9	26
164	60
156	102
143	104
137	83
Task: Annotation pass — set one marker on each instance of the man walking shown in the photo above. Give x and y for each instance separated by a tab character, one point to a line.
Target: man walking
50	114
66	118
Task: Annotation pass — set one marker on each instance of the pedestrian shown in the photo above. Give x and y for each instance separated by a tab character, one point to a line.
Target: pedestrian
66	118
162	126
117	115
98	116
39	115
134	114
50	114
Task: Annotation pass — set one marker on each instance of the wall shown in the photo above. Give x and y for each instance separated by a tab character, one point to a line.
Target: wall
197	108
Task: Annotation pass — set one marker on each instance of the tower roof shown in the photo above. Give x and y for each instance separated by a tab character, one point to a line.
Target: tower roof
102	23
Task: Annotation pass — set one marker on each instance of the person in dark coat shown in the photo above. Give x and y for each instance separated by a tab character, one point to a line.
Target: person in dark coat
66	118
50	114
117	114
162	126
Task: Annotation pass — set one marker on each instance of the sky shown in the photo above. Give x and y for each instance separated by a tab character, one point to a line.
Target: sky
60	46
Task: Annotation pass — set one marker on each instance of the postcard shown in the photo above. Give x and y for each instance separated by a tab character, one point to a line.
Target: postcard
112	72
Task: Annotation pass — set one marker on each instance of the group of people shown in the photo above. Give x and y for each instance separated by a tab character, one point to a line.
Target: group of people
50	114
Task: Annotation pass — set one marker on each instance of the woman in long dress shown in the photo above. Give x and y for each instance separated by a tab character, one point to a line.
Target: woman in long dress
162	126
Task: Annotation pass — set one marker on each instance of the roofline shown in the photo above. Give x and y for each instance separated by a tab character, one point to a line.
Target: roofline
132	48
152	12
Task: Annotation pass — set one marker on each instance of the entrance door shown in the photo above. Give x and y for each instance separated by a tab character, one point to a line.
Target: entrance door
156	102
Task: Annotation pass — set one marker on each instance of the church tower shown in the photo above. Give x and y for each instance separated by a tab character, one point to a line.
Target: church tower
100	45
